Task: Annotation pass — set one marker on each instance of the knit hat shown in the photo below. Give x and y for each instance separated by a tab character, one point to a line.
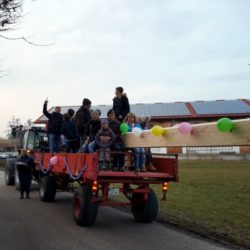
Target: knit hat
105	121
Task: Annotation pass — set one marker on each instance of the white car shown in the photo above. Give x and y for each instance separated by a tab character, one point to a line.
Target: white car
4	156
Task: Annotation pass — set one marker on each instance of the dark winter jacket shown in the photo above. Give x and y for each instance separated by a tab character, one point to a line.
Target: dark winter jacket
121	106
55	121
69	130
82	120
106	133
25	164
115	126
93	127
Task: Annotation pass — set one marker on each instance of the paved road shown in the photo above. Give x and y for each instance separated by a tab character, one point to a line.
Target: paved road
32	224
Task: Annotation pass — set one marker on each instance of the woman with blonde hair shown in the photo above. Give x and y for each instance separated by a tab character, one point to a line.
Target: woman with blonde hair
139	159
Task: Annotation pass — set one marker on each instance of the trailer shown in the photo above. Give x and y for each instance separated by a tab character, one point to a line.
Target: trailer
97	188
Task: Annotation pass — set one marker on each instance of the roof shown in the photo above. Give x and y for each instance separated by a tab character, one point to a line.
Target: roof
177	110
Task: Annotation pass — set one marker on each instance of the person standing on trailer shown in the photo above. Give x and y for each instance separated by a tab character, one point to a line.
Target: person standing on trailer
54	127
25	166
69	133
121	104
83	118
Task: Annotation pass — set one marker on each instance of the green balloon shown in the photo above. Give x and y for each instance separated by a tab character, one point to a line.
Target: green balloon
124	128
225	125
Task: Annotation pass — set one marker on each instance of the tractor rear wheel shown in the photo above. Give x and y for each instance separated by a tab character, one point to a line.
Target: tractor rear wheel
144	210
83	209
47	188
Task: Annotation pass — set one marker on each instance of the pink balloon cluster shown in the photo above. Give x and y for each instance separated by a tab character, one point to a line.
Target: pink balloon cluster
53	160
185	128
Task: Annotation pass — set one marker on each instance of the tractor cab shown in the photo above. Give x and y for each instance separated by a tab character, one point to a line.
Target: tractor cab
35	139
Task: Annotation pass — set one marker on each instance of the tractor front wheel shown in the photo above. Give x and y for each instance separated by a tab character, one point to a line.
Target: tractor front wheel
47	188
8	173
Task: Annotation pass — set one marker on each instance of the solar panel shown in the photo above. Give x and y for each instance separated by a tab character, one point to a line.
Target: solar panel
160	109
220	107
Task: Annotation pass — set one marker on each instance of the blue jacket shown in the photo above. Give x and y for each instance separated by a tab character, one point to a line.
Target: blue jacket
135	125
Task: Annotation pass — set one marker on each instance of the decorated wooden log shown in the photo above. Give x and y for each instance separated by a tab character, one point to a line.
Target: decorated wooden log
205	134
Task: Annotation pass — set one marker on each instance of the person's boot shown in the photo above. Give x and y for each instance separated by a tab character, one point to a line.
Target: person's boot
151	167
27	196
21	197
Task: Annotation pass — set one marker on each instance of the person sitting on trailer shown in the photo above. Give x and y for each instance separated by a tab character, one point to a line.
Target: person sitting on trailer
25	166
54	127
139	157
82	118
104	139
118	145
92	129
69	132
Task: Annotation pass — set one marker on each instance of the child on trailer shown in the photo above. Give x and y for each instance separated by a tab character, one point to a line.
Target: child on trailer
139	159
104	139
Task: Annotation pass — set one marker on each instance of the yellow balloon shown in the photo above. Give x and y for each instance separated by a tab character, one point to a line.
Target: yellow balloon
157	130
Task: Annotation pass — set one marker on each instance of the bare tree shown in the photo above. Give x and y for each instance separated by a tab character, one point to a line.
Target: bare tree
10	11
15	126
29	122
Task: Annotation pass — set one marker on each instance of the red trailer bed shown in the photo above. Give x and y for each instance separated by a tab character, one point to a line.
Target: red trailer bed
57	171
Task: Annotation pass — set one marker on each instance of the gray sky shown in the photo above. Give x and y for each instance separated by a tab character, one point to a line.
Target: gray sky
158	50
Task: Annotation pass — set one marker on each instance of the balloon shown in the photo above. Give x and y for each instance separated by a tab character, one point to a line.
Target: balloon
137	131
185	128
157	130
225	125
124	128
53	160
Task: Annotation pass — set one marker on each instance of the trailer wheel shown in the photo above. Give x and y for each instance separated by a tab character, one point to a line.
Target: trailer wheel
17	182
144	210
9	172
83	209
47	188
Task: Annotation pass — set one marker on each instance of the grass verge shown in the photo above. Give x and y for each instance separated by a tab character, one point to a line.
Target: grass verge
212	199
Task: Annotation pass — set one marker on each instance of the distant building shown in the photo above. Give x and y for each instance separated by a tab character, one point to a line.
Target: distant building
168	114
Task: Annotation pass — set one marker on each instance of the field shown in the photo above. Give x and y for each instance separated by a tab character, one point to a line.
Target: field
212	198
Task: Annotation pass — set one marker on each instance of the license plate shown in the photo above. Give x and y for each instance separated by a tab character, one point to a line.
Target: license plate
114	191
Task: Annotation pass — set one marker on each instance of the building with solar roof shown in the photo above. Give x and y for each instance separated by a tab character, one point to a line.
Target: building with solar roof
169	114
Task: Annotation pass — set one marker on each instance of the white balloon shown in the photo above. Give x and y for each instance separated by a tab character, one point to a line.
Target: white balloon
137	131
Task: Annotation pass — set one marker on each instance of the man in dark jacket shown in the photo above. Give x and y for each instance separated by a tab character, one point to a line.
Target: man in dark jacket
69	133
54	127
83	118
120	104
25	165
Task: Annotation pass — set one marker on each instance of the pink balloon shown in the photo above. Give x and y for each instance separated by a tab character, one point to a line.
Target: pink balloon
185	128
53	160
